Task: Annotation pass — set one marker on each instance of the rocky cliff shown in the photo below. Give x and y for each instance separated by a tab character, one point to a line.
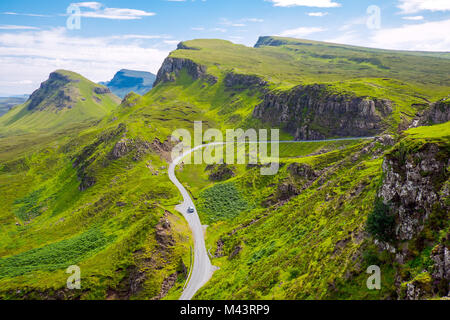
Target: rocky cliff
413	186
438	112
172	67
54	87
313	112
415	191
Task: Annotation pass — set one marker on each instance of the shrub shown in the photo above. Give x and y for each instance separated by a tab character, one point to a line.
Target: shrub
401	153
381	222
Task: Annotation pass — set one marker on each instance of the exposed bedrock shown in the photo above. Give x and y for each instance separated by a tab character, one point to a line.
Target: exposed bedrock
313	112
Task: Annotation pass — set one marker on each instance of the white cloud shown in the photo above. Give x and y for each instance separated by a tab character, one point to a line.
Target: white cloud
172	42
429	36
32	55
219	30
99	11
306	3
413	18
301	32
255	20
317	14
226	22
25	14
14	27
351	24
90	5
426	36
413	6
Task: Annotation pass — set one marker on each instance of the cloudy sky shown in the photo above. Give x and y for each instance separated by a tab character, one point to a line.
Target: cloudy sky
38	37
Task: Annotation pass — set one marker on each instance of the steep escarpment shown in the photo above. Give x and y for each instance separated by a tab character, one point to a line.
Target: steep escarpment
438	112
411	223
413	186
54	87
244	82
315	112
172	67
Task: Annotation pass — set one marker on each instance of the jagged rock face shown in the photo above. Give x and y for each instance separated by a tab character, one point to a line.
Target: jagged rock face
183	46
83	160
172	67
441	267
220	172
101	90
304	109
303	171
53	88
130	100
121	149
243	82
438	112
412	185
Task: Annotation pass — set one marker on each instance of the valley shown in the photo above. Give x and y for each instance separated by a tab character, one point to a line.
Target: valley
87	179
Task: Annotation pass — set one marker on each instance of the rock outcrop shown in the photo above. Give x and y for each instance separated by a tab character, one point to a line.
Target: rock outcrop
441	268
54	91
183	46
83	160
415	191
243	81
130	100
102	90
172	67
412	187
313	112
220	172
438	112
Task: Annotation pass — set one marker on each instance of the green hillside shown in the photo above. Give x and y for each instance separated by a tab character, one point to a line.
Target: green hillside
65	99
86	181
287	63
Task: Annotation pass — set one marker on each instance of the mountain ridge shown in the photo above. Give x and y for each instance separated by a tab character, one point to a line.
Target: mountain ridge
66	97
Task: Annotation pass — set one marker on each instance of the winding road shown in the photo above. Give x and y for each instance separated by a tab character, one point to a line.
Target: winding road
202	269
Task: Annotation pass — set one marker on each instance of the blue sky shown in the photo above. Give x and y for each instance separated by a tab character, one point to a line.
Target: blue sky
35	39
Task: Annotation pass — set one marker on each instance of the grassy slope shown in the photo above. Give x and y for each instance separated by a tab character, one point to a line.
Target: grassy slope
311	247
360	71
89	106
41	183
109	228
288	252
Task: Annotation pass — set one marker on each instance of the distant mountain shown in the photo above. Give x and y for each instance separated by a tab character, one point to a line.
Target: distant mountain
6	103
65	98
126	81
